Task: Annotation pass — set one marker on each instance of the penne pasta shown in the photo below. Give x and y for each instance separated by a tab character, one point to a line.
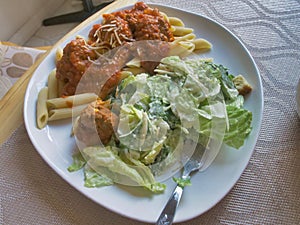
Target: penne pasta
161	71
202	44
125	74
182	49
207	59
187	37
58	54
70	101
174	21
181	31
135	62
135	70
65	113
52	85
164	15
41	108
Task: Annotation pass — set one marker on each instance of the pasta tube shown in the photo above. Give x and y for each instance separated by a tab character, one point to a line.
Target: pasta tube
64	113
182	49
58	54
134	70
125	74
187	37
202	44
164	15
41	108
174	21
70	101
135	62
181	31
52	85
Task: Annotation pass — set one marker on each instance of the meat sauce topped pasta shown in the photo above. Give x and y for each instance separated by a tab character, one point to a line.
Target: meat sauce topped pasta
139	23
122	28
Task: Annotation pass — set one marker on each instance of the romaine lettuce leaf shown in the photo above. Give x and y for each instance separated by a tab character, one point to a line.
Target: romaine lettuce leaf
107	162
93	179
238	102
239	126
183	105
78	162
136	131
182	182
229	91
176	65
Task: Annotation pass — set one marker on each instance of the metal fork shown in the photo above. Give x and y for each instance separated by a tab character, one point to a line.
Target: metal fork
201	159
167	215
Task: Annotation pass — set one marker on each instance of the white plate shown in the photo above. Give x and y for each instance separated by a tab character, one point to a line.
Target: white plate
55	145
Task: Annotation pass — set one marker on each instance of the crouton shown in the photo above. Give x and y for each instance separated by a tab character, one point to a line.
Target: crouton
242	85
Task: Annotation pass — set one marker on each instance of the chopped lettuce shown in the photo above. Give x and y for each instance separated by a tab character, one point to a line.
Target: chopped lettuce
228	88
93	179
184	107
182	182
186	100
136	131
239	126
206	81
78	162
106	161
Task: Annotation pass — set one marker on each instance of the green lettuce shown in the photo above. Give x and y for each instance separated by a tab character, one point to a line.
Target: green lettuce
239	126
93	179
78	162
182	182
136	131
107	162
186	100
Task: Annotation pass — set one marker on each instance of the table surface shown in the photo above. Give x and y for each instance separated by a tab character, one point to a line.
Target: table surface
268	191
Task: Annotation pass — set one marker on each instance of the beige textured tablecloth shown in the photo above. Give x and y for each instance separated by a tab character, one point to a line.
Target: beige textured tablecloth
268	191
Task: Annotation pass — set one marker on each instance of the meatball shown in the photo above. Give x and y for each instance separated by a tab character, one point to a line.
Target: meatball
96	124
77	57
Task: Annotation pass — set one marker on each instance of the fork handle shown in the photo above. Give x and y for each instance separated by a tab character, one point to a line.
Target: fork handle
167	215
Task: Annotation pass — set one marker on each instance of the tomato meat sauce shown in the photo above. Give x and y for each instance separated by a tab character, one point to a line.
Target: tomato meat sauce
118	28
